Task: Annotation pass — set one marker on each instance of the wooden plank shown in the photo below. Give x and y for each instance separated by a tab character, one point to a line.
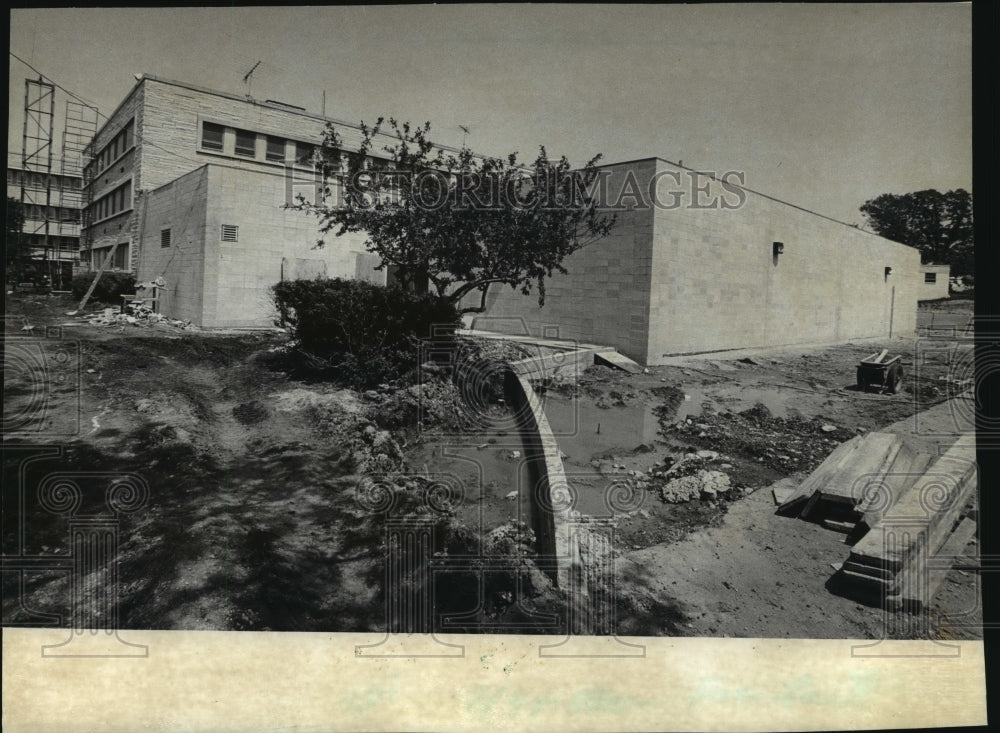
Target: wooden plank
920	583
839	481
797	503
889	587
782	494
908	524
881	356
90	290
905	470
844	527
874	572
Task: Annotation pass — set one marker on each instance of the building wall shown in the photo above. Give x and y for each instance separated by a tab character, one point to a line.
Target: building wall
221	284
698	258
937	289
121	228
604	298
179	206
716	284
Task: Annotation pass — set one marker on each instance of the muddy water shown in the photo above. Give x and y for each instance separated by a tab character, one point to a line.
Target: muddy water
600	445
485	468
734	397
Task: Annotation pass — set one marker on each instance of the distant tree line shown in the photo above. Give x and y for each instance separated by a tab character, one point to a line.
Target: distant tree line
938	224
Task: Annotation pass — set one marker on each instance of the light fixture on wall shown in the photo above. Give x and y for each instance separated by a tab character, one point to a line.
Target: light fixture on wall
888	271
776	249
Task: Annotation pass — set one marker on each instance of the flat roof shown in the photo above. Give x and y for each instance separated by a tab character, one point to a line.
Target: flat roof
750	190
270	104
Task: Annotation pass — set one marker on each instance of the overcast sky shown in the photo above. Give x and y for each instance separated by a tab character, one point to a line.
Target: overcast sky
824	106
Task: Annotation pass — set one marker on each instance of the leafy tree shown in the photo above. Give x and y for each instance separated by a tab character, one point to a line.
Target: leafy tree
458	221
938	224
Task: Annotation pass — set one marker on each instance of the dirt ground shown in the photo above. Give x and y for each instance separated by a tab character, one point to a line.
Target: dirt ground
258	518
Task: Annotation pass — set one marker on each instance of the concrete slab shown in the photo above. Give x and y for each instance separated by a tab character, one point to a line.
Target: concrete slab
619	361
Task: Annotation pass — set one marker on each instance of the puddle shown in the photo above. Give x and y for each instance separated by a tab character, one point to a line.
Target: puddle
585	430
622	430
484	473
735	399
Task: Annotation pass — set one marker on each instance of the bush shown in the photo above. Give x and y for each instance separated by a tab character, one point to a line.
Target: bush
367	333
110	287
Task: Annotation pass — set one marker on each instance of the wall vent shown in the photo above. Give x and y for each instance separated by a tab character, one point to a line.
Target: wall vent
230	233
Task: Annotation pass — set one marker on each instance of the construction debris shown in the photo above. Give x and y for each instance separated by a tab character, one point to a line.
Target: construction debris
896	557
137	314
899	508
703	484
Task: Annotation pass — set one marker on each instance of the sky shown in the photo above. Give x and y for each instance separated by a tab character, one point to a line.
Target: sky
824	106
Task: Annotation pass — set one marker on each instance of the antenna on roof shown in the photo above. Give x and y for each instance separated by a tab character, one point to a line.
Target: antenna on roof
247	80
465	131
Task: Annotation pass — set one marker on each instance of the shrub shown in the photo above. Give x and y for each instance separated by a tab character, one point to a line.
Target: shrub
110	287
367	333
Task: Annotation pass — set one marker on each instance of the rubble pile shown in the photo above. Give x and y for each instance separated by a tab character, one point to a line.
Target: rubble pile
136	314
786	445
703	484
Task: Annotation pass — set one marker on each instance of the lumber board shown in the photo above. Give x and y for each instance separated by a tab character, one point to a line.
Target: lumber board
875	572
904	472
888	587
871	457
910	520
919	583
795	505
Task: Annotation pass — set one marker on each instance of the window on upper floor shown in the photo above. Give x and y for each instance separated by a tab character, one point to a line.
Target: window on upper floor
304	153
211	136
246	143
930	277
275	148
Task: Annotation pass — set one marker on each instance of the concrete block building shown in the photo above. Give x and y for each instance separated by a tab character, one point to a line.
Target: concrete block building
934	281
191	185
698	263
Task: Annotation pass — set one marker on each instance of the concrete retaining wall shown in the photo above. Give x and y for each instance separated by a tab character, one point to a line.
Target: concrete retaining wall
549	486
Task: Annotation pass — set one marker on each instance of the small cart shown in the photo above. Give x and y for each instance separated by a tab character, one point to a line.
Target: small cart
882	371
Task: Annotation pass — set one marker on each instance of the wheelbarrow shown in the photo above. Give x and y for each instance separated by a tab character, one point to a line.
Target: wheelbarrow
882	371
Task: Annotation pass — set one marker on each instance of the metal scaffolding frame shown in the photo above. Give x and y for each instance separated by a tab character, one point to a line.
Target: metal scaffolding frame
36	157
45	194
79	129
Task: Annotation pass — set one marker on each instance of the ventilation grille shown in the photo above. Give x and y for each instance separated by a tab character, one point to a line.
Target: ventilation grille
230	233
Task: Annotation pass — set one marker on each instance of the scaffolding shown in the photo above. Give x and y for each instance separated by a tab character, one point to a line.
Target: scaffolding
53	202
36	161
79	129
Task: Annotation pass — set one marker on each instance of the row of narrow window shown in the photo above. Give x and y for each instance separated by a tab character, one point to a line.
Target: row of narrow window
111	152
246	144
113	203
